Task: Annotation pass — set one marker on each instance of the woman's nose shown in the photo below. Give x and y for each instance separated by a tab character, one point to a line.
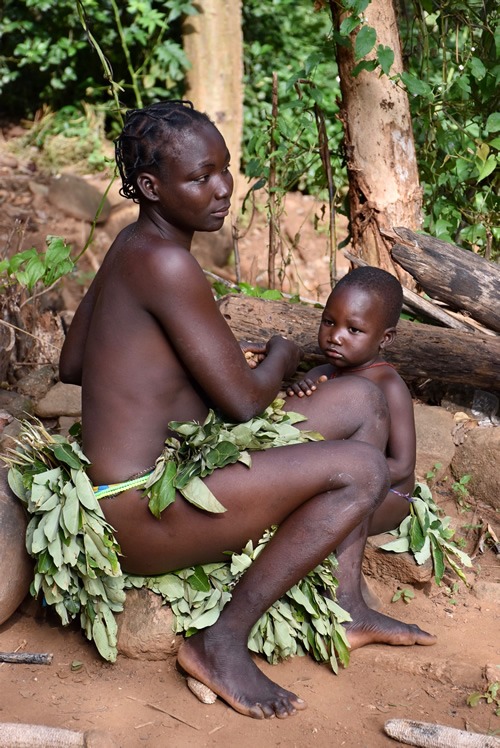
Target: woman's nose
224	186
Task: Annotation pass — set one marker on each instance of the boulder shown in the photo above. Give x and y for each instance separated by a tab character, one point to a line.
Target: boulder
77	197
60	400
145	628
382	564
479	457
434	426
16	567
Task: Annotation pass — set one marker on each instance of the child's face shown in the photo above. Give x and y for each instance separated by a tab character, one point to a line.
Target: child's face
194	186
352	329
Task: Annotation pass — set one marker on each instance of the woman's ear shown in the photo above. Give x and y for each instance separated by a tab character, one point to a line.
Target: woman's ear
388	337
146	183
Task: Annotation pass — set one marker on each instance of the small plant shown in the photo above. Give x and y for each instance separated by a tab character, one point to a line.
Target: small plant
461	492
403	593
491	696
31	267
431	474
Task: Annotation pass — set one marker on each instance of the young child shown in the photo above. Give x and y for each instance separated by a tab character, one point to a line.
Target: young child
357	325
149	346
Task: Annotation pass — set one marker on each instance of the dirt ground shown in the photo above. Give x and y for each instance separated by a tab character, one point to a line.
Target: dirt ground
147	703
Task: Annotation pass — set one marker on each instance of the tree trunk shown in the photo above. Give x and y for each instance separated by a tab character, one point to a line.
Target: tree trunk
384	189
462	279
213	42
418	351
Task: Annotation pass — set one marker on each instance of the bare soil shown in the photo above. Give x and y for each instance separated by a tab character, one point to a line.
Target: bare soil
147	703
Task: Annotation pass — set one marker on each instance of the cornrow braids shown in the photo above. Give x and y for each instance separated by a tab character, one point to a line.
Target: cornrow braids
380	283
145	136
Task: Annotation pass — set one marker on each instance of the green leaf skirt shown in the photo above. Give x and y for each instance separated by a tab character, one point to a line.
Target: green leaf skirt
77	568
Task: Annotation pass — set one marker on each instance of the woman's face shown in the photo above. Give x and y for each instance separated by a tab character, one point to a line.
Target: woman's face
194	185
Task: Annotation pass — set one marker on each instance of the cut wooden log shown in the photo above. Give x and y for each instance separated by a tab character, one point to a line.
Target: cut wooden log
462	279
418	352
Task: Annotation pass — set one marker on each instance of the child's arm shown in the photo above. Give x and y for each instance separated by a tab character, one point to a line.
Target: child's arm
401	446
307	385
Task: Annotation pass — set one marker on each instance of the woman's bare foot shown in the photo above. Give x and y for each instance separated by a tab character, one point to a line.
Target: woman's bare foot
231	673
370	627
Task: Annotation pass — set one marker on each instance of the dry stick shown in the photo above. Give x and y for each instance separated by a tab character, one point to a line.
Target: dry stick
273	217
324	153
26	658
25	332
164	711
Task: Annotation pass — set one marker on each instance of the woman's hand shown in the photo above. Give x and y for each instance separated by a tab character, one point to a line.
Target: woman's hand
278	344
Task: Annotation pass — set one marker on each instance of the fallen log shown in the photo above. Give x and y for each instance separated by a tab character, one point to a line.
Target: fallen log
462	279
418	352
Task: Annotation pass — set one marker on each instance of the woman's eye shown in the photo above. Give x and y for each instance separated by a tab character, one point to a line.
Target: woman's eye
204	178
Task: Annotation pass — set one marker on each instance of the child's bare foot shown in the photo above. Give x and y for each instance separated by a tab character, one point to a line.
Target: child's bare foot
371	627
231	673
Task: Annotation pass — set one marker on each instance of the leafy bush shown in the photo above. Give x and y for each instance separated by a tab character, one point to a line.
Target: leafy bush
46	56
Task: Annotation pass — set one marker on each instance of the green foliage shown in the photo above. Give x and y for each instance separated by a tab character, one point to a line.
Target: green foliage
461	491
46	56
403	593
452	52
491	696
426	535
31	267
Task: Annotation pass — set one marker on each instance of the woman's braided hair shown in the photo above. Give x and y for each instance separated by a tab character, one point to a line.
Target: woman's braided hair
141	144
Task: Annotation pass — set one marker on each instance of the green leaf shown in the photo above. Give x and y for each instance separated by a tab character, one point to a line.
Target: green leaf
385	58
365	41
199	580
162	493
198	493
415	86
486	168
438	559
493	122
401	545
65	454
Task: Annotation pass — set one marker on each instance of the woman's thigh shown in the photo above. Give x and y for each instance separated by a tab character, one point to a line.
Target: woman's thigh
279	481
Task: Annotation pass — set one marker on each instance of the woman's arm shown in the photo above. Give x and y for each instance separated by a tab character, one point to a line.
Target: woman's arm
71	359
173	288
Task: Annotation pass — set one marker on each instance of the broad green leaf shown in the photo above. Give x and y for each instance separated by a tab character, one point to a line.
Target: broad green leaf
15	481
162	493
64	453
385	58
487	167
401	545
493	122
206	619
365	41
199	580
198	493
170	586
438	559
415	86
71	512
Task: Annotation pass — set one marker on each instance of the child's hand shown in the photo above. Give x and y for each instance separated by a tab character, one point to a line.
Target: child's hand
305	386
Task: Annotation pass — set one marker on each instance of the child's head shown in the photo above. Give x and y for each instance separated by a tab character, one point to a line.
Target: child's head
360	317
141	144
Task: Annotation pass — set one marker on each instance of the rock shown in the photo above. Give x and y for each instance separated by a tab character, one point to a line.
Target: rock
77	197
17	405
60	400
16	567
479	457
36	382
489	592
434	426
388	565
145	628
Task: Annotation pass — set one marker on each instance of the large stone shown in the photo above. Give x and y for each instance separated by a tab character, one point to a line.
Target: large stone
60	400
145	628
435	445
16	567
382	564
77	197
479	457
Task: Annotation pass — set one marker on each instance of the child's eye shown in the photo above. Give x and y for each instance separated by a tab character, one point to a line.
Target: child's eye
327	322
354	330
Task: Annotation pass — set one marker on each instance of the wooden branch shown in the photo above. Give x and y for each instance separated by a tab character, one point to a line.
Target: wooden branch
26	658
462	279
418	352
